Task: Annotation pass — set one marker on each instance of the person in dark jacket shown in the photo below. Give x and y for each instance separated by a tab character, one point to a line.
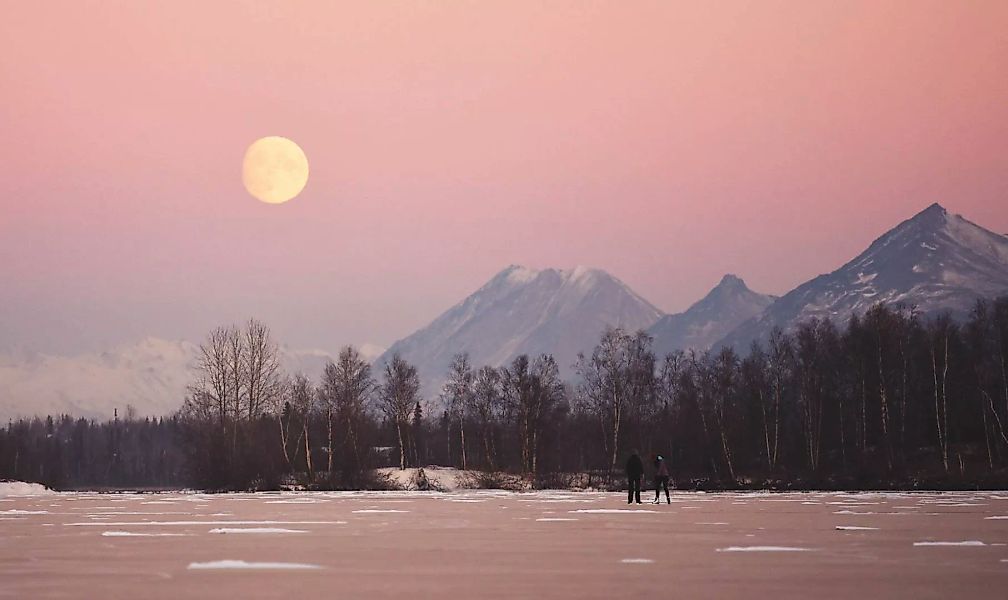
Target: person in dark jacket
634	473
661	479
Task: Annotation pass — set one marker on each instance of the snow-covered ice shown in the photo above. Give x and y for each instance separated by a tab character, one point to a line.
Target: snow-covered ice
21	488
611	511
190	523
241	564
962	543
855	528
140	534
256	530
763	549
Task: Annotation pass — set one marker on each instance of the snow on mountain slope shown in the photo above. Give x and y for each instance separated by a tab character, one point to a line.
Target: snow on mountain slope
151	375
935	261
723	309
522	310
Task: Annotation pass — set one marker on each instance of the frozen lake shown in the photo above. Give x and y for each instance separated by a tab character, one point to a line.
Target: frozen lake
505	545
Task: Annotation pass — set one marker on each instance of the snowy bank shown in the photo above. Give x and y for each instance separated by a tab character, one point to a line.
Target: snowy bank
21	488
440	479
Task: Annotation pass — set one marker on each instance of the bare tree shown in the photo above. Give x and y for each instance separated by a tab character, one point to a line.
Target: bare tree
281	409
619	371
939	332
263	377
303	402
488	408
399	396
669	392
810	387
346	388
756	375
213	378
548	392
457	394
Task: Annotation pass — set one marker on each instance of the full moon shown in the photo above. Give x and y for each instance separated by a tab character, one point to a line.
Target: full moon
274	170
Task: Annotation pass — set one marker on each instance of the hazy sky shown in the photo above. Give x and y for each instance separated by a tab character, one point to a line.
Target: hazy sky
666	142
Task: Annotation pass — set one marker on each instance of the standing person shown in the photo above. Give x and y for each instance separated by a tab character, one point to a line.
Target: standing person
661	480
634	473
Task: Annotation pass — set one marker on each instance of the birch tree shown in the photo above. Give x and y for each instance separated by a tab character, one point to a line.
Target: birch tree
457	395
399	398
346	389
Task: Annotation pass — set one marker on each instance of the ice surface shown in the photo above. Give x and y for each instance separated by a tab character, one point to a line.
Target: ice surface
637	561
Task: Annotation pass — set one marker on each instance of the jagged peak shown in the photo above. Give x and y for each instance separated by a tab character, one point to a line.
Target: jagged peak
731	280
932	217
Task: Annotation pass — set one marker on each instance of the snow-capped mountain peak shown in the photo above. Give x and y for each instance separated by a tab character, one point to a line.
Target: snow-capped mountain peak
523	310
727	305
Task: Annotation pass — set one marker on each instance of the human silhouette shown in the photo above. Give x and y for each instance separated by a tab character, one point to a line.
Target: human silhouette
634	473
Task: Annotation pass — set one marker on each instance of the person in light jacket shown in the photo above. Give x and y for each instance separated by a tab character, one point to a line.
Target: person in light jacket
661	480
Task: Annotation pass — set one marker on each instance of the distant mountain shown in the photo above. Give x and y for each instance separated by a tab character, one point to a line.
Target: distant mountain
528	311
151	375
935	261
723	309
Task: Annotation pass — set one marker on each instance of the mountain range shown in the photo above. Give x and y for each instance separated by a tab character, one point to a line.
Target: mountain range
152	375
935	261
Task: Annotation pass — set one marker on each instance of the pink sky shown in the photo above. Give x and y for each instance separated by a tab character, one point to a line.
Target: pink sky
666	142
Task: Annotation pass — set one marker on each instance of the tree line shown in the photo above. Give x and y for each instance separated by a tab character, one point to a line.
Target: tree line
891	399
